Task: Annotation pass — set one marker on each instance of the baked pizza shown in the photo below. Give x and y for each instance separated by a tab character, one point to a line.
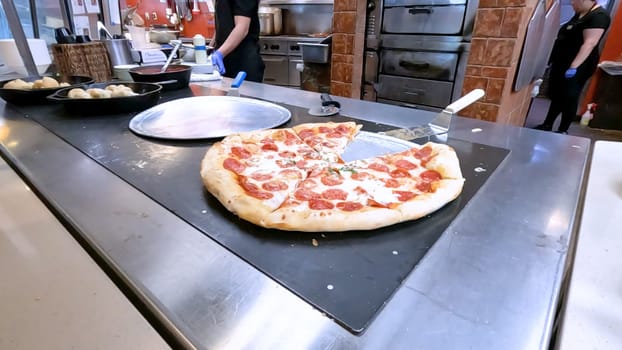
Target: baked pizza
294	179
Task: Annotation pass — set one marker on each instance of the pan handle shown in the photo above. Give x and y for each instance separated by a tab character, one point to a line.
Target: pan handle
464	101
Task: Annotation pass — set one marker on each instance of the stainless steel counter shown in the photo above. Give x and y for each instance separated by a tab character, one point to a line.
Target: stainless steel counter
490	282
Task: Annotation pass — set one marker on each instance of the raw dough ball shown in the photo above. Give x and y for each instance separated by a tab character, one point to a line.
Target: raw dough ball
17	84
37	84
99	93
78	93
48	83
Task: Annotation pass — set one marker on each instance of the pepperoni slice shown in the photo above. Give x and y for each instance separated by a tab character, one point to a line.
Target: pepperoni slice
275	185
404	164
425	187
270	147
349	206
430	175
247	185
332	180
291	174
334	135
291	139
399	173
308	183
344	129
335	193
314	141
287	154
260	194
378	167
261	176
320	204
373	203
325	129
301	164
305	133
240	152
423	153
404	195
360	176
233	165
360	190
391	183
304	194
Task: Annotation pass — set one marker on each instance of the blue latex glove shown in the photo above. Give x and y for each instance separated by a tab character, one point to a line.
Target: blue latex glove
570	73
217	62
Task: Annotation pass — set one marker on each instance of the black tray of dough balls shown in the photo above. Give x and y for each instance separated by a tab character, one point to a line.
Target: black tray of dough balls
17	92
146	95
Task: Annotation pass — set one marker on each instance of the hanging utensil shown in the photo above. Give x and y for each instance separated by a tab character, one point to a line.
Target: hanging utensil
177	44
103	31
188	11
195	6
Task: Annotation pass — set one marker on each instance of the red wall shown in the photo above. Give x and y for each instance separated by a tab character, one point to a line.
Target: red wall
612	51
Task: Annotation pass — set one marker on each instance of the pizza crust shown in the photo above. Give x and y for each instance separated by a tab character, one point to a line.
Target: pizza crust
444	160
422	205
297	219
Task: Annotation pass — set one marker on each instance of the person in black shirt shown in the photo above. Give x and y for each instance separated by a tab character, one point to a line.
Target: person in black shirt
237	39
573	61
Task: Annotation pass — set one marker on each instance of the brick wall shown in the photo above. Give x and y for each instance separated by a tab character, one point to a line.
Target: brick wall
348	47
498	36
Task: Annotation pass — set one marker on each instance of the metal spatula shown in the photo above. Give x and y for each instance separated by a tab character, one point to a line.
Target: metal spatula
441	122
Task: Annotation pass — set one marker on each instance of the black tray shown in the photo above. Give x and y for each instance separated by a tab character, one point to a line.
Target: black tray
148	96
39	96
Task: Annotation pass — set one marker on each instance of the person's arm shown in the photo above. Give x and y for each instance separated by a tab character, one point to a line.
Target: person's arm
239	32
591	36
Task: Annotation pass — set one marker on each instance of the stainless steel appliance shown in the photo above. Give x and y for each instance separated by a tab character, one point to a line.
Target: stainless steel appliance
416	51
281	54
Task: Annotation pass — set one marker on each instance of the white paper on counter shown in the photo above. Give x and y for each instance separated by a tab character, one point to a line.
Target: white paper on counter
199	77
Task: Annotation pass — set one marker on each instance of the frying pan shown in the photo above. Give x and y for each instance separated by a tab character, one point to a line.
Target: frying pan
38	96
176	76
148	96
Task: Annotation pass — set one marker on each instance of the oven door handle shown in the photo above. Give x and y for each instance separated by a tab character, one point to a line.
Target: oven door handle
413	66
419	10
416	92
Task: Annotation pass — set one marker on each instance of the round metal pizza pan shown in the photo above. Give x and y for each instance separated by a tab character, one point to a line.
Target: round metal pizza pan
368	145
205	117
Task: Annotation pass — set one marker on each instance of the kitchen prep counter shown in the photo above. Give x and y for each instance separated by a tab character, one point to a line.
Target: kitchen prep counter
53	295
592	317
491	281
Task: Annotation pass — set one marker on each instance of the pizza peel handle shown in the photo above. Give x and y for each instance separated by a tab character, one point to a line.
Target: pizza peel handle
464	101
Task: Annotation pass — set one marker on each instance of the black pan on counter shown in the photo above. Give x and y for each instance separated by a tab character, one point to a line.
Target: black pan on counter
39	96
176	76
148	96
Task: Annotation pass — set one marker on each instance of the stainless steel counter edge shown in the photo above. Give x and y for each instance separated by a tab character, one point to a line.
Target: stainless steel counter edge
490	282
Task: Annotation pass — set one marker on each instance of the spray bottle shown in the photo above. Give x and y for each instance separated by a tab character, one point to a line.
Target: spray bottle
588	115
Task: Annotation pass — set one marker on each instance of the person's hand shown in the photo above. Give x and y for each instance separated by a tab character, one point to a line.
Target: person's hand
217	62
570	73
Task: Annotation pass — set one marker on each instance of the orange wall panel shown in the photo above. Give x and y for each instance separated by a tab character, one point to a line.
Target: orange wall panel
201	23
612	50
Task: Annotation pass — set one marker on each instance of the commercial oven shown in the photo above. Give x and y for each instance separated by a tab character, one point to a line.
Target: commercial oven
416	51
